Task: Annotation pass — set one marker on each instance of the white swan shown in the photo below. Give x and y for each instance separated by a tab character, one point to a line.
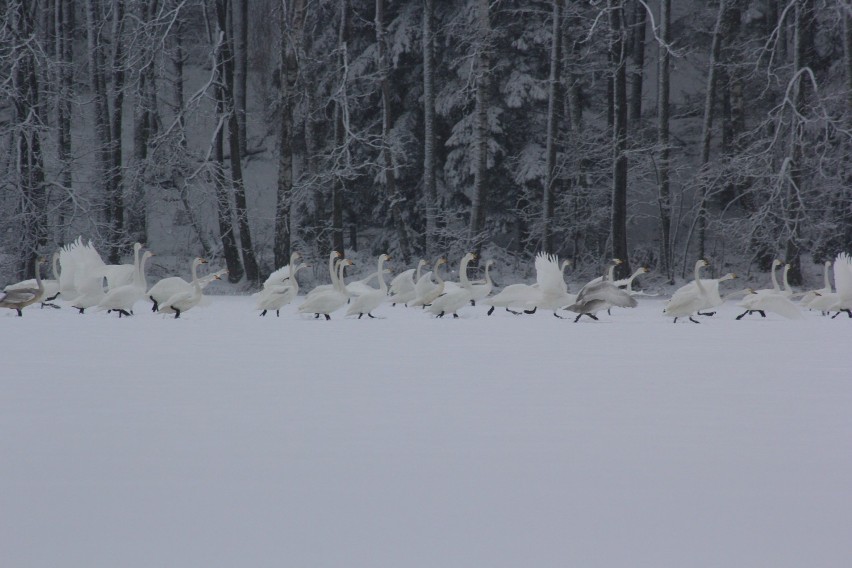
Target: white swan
811	295
840	300
403	286
184	300
368	301
600	296
609	274
450	302
51	286
426	290
328	301
123	298
626	284
752	298
712	297
81	278
333	258
775	302
688	299
551	290
122	274
480	290
20	298
168	287
279	295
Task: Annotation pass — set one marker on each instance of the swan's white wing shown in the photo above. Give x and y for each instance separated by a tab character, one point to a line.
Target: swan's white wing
779	304
608	293
548	274
403	280
843	276
424	284
20	296
278	276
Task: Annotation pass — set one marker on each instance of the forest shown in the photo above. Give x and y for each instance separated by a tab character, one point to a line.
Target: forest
655	131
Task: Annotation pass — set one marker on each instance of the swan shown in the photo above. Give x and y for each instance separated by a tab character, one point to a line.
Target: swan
480	290
551	290
183	300
776	302
841	299
427	291
369	301
512	296
626	284
81	278
690	298
600	296
168	287
751	298
450	302
51	286
327	301
609	274
123	298
279	295
403	286
122	274
333	258
20	298
811	295
358	287
711	287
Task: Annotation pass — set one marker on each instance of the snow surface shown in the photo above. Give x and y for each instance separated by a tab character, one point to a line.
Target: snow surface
225	439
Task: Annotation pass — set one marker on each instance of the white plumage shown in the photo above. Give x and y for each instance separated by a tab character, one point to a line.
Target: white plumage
688	299
369	300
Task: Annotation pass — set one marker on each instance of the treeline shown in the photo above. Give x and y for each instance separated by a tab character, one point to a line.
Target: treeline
650	130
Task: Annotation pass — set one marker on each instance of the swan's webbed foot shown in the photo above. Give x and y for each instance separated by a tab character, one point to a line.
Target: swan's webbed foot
278	313
576	319
513	312
455	316
155	306
706	313
491	311
359	316
593	316
263	313
675	320
371	315
177	312
327	317
472	302
21	314
739	317
441	315
316	316
80	310
762	313
558	316
50	305
532	311
608	312
693	320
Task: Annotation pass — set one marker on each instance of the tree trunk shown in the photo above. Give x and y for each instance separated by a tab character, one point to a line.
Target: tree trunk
116	129
394	197
64	52
847	59
340	133
707	124
618	230
552	120
639	31
240	34
292	23
481	134
802	56
664	165
429	186
29	164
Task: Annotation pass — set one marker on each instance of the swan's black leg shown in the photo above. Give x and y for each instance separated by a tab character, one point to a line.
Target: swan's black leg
594	317
513	312
739	317
177	312
327	317
20	313
849	312
707	313
80	310
491	311
278	313
558	316
51	305
608	312
693	321
576	319
675	320
316	316
762	313
371	315
472	302
263	313
359	316
455	316
532	311
156	305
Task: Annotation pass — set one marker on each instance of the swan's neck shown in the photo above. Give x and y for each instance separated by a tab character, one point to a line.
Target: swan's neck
294	282
420	266
437	274
775	285
786	282
825	276
194	271
381	275
610	273
55	263
331	271
39	284
487	276
463	272
341	287
142	282
701	289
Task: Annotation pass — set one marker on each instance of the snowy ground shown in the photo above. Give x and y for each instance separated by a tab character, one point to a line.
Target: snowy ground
225	439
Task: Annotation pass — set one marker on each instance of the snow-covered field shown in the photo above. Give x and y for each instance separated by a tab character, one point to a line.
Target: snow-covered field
225	439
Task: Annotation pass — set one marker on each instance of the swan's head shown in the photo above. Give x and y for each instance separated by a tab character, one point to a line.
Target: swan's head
728	276
422	263
645	270
348	262
441	261
385	257
137	247
148	254
490	262
565	264
616	261
776	263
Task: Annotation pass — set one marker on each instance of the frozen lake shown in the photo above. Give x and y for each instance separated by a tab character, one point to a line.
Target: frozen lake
226	439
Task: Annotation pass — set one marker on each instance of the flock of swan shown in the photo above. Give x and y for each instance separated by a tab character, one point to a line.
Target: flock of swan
83	280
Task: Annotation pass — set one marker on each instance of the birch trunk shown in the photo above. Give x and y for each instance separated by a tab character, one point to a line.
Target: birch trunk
618	231
552	120
481	133
429	186
664	166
